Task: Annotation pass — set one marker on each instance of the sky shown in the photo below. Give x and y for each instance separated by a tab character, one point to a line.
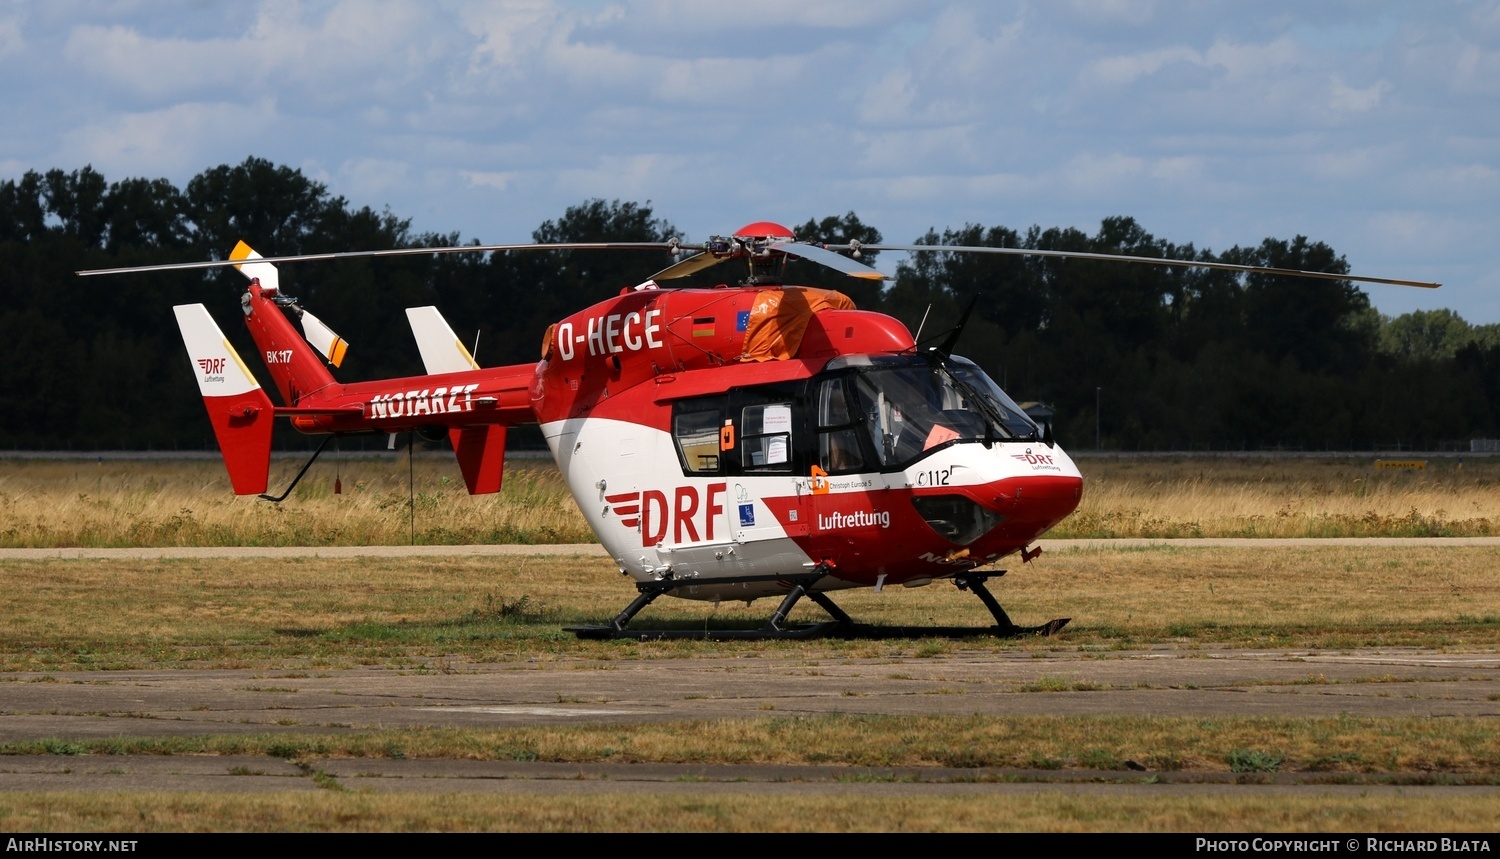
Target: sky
1371	126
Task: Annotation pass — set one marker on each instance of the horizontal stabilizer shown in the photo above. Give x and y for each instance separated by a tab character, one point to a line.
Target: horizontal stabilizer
315	411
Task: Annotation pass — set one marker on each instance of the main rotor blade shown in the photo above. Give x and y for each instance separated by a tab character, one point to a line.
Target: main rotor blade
837	262
691	265
393	252
1182	263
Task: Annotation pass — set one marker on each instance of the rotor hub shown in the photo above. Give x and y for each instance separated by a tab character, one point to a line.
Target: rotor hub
763	230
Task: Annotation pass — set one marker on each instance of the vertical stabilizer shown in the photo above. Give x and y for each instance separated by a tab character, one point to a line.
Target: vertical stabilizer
481	456
239	410
442	351
480	449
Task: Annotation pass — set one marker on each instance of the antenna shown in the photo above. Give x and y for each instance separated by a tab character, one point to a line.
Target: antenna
952	340
922	324
411	484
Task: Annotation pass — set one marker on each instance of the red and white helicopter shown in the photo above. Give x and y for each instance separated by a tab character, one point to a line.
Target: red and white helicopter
759	440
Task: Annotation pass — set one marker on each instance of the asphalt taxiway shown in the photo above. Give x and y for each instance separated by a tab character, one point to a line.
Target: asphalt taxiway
69	707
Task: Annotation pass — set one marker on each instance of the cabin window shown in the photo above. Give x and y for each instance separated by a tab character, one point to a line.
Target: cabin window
766	438
697	435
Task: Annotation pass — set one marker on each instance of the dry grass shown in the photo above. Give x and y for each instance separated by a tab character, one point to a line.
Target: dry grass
188	502
1448	750
1285	497
69	614
72	615
708	810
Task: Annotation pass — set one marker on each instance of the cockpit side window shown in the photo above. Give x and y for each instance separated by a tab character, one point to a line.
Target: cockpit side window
697	437
897	412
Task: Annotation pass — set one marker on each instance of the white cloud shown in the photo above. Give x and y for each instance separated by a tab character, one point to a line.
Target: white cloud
964	69
1346	99
1218	123
949	147
356	50
374	178
155	68
616	176
1129	12
1181	169
891	100
1127	69
1102	173
161	142
1422	232
1349	164
11	40
497	181
1449	184
1249	62
511	32
944	190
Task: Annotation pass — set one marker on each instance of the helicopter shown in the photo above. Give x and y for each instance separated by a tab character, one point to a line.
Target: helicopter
759	440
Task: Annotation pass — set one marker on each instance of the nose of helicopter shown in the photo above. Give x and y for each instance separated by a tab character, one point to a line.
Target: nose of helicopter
1002	515
1036	501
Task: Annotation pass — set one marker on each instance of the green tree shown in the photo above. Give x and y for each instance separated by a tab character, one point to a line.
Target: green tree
1425	335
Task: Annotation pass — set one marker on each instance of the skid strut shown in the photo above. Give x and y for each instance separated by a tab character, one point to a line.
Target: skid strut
277	499
974	582
842	625
648	596
776	627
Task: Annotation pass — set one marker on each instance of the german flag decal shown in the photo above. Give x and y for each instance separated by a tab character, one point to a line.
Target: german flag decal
703	326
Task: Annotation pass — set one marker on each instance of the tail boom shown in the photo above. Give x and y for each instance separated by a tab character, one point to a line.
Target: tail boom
473	407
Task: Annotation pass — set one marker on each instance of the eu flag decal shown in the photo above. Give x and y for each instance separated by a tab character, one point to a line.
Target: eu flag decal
742	320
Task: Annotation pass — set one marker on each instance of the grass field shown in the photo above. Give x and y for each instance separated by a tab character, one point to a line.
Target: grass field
708	810
60	618
388	501
1262	496
90	614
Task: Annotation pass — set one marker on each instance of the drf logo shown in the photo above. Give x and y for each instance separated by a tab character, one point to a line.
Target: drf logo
212	366
651	513
1033	458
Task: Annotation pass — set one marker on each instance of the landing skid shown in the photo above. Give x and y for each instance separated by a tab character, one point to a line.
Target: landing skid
842	626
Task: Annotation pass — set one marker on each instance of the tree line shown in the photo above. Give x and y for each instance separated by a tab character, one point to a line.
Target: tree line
1130	356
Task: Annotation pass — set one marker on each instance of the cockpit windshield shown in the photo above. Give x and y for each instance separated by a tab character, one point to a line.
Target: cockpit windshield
912	404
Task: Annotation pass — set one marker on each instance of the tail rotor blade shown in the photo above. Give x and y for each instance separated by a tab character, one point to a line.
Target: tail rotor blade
323	338
263	271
